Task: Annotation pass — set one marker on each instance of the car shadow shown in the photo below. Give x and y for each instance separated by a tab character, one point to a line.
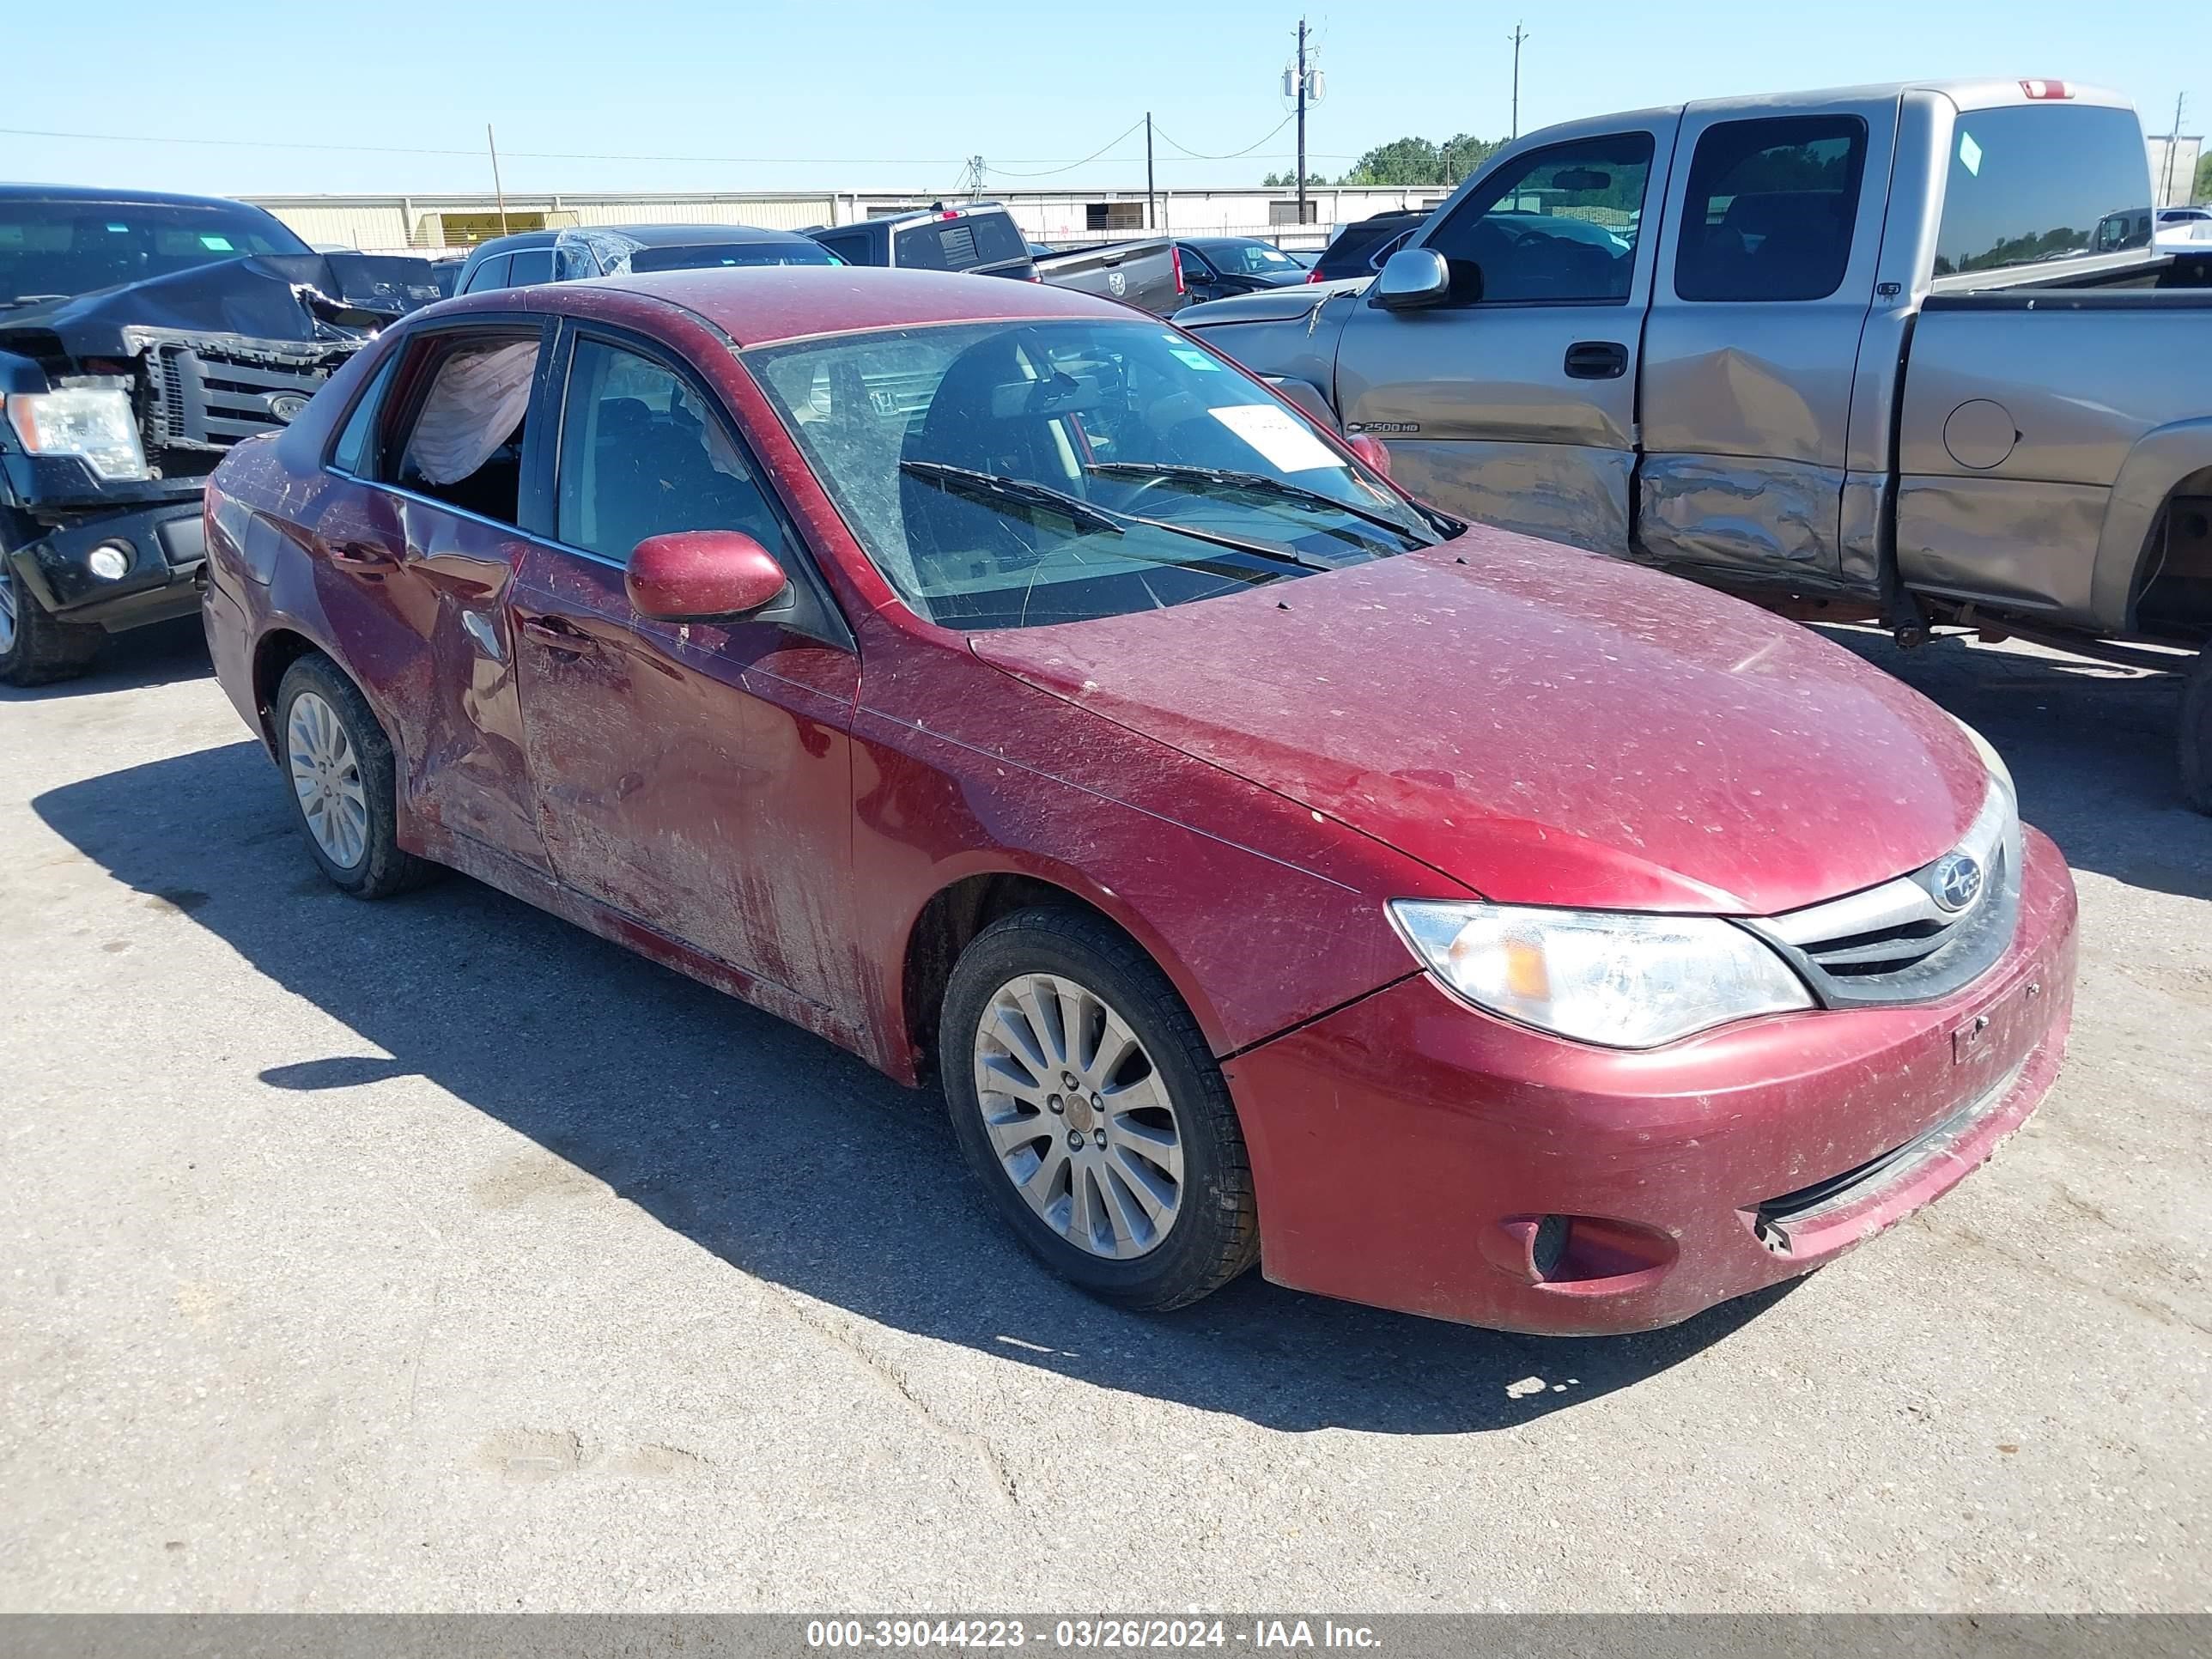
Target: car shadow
784	1156
161	653
2091	746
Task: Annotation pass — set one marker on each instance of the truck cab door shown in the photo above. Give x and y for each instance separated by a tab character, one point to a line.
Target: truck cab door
1766	272
1514	401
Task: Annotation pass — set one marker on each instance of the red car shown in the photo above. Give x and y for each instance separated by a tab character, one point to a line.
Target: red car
1004	686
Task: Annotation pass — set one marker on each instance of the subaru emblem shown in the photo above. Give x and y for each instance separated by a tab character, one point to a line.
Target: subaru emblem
1956	880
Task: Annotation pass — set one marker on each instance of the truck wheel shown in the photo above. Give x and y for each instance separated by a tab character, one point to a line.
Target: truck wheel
338	763
2197	733
1087	1103
34	648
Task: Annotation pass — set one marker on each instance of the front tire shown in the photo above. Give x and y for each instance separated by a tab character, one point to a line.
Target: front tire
2195	743
338	763
34	648
1087	1102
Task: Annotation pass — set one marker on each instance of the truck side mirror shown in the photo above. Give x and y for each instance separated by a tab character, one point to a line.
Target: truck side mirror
1411	279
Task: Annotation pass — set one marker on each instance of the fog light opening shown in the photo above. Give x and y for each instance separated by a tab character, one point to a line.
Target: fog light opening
110	561
1549	1246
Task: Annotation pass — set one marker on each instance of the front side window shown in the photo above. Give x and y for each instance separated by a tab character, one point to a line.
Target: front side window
464	446
1556	227
2032	182
1008	475
1770	208
642	454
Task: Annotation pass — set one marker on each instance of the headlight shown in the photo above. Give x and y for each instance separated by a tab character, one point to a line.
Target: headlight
93	424
1622	981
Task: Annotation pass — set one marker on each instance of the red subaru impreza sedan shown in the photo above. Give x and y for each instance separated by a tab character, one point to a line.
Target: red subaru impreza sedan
1001	684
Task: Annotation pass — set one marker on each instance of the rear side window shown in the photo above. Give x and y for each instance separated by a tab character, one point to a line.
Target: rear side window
355	451
491	274
1771	207
852	247
464	446
533	264
2033	182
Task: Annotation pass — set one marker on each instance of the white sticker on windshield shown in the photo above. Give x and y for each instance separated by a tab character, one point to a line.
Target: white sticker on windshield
1275	432
1970	154
1195	358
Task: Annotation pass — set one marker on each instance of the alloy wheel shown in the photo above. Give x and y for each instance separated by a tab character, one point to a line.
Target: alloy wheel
1078	1116
327	776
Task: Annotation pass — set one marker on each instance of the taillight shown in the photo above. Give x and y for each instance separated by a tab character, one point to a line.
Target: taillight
1175	255
2046	90
1315	276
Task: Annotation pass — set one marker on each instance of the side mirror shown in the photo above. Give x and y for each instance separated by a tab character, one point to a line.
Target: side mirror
1373	452
699	575
1413	277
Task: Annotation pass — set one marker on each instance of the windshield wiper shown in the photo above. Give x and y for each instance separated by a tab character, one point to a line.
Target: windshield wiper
30	300
1091	515
1260	481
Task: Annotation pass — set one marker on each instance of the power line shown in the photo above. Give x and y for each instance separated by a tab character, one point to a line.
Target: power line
1231	156
1046	173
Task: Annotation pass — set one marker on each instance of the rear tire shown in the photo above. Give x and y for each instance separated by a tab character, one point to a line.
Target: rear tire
337	768
34	648
1097	1120
2196	737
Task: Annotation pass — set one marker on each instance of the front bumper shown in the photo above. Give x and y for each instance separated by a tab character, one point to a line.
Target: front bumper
166	548
1413	1154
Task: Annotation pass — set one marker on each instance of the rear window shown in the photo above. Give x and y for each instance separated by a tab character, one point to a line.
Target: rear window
961	244
2033	183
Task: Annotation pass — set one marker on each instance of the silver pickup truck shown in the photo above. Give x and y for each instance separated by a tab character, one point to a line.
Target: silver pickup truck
1890	352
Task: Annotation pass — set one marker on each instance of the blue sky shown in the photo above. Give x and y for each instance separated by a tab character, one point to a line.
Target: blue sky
860	94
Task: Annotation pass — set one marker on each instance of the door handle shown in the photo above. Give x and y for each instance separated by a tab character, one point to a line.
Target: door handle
557	635
1596	360
362	558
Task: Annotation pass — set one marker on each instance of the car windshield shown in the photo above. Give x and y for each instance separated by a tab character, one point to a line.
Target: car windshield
1249	259
796	251
58	250
1010	475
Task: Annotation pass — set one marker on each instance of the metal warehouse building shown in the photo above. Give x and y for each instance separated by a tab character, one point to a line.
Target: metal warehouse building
1061	217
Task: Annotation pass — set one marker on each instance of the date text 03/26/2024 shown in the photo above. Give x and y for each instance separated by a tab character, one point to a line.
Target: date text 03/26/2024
1272	1634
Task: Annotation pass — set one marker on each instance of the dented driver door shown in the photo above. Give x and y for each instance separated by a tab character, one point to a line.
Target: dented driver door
695	777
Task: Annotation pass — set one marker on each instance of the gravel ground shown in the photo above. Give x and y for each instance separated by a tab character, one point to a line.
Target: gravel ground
435	1255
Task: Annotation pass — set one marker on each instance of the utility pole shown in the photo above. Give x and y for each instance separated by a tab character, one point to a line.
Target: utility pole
492	144
1150	208
1519	35
2172	148
1301	120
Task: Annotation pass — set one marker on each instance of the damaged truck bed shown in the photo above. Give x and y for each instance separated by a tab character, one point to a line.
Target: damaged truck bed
140	337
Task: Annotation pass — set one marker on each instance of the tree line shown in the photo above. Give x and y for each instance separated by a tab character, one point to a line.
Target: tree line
1406	161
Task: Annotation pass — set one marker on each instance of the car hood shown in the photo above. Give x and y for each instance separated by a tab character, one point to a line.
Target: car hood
1544	725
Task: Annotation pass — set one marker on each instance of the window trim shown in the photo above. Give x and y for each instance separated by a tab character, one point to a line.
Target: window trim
1861	139
1425	234
812	609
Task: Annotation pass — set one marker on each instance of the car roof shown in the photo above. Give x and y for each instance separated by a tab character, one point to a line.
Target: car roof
761	304
643	236
19	193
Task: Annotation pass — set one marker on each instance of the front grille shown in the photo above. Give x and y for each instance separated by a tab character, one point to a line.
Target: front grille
209	393
1900	942
1773	1220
